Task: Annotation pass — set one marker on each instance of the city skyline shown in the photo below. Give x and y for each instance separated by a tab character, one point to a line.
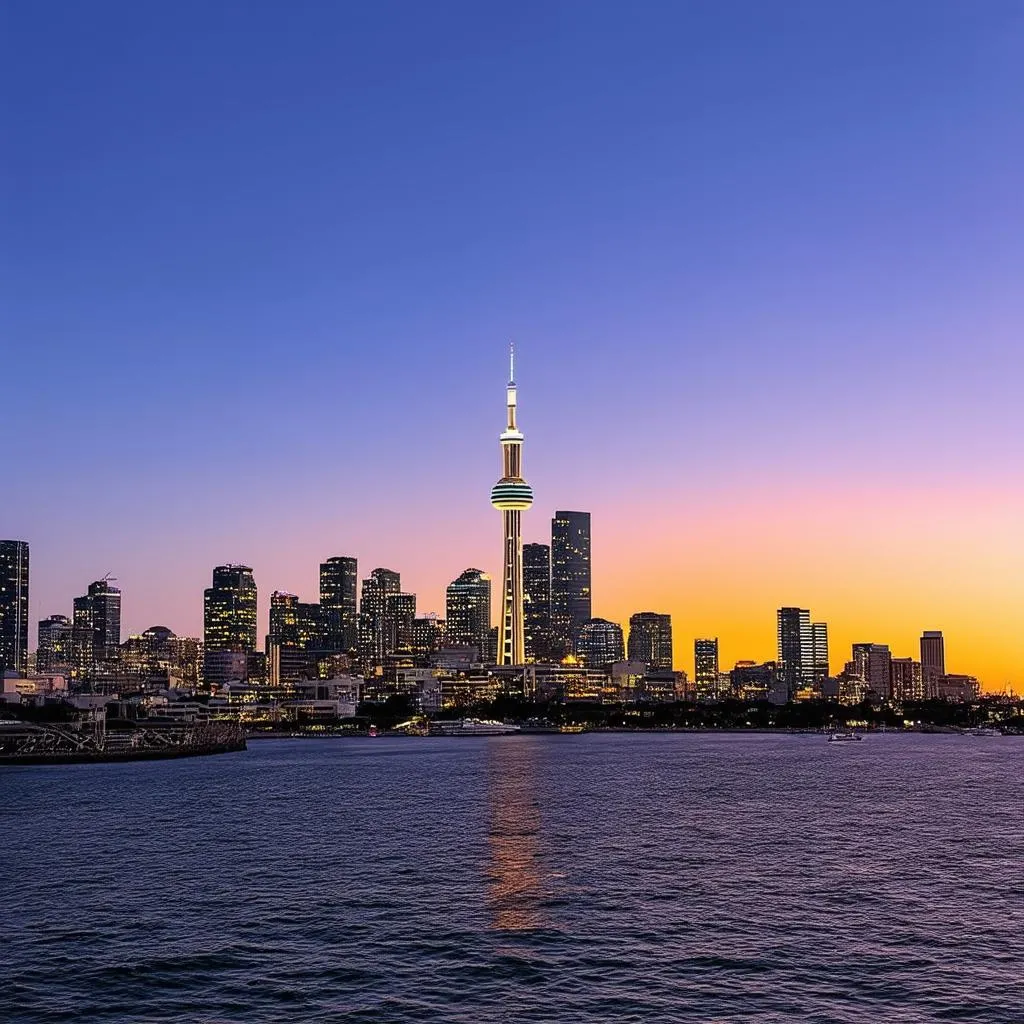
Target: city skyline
770	335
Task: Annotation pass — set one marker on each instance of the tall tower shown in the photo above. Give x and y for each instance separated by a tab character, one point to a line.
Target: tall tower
512	495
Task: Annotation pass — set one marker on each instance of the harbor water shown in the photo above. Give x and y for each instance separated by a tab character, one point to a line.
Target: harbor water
593	878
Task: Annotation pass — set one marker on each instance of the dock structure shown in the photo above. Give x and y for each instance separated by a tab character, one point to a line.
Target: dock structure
62	743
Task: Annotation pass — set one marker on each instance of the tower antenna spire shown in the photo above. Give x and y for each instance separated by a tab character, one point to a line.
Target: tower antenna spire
511	362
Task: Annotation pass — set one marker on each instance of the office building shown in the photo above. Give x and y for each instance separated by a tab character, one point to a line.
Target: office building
795	663
374	632
873	664
819	653
96	628
13	607
650	639
429	635
512	496
599	642
338	587
705	668
54	650
570	576
905	679
229	621
537	601
468	611
933	660
399	611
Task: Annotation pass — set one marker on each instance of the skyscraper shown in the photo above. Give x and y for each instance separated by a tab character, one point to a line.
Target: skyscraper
796	649
399	611
96	630
54	649
650	639
512	496
819	653
468	610
570	576
13	607
229	618
374	632
537	601
338	586
933	660
599	642
705	667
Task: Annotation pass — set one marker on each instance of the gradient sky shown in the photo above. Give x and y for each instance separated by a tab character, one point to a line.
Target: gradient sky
763	262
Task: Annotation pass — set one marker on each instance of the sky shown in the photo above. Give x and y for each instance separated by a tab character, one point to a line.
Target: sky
762	263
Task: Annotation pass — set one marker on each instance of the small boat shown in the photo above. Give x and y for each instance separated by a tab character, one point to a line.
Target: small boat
844	737
372	731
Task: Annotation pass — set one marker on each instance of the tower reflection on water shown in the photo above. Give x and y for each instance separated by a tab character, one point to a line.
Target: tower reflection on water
516	888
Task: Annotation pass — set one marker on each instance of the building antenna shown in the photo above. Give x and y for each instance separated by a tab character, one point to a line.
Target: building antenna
511	362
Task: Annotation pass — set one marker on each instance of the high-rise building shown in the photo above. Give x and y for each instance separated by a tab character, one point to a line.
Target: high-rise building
512	496
796	649
229	620
96	629
873	664
338	586
468	610
570	576
933	660
650	639
400	611
13	607
906	679
537	601
599	642
55	650
705	668
819	653
374	630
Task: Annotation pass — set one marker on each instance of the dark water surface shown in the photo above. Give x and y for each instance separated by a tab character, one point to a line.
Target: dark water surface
579	878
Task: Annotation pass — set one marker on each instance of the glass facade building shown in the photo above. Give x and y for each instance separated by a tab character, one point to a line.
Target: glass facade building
13	607
650	639
570	576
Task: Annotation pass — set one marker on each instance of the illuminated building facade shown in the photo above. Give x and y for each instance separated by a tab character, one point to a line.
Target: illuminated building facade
906	679
13	607
802	650
819	653
873	664
537	601
570	576
55	650
650	639
512	496
599	642
338	587
96	629
229	620
468	611
705	668
429	634
374	634
400	612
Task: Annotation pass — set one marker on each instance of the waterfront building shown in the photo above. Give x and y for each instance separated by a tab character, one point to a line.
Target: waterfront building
650	639
229	622
468	611
705	668
96	628
570	576
537	601
933	659
795	649
512	496
599	643
905	679
374	634
338	586
959	688
872	663
751	681
55	649
13	607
